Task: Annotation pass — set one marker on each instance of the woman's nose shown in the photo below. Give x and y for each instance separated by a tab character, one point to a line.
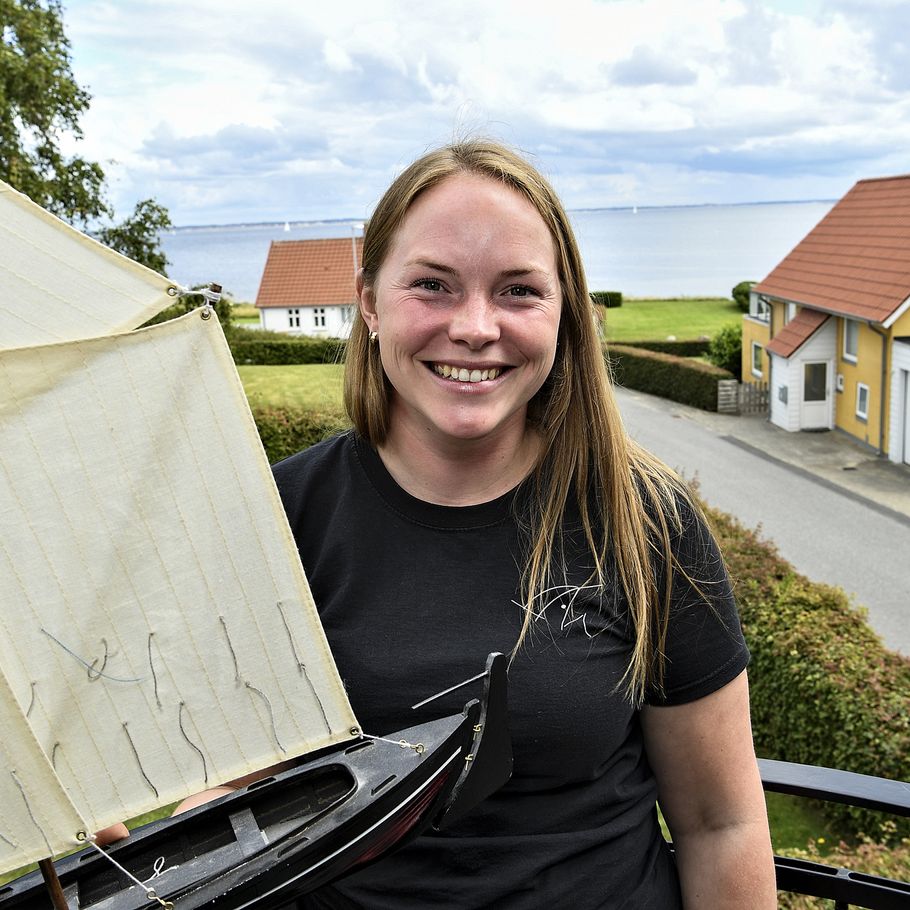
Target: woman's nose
475	321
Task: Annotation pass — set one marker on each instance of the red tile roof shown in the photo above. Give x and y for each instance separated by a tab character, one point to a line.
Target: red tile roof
856	260
797	331
301	273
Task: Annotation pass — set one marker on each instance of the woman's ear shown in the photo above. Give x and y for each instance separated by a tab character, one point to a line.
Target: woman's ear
367	302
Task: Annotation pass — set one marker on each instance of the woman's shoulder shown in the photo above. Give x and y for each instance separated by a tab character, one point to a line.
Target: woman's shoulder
309	465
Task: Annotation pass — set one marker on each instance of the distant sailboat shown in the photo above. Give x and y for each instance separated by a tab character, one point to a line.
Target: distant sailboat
287	225
634	209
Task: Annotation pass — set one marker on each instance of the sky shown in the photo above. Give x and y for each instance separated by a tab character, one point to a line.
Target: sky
232	111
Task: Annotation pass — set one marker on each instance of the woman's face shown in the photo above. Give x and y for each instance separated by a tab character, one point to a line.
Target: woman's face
467	306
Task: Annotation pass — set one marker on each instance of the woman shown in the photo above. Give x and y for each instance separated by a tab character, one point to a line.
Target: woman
489	499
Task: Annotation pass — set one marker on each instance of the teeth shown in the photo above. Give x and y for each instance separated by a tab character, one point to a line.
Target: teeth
464	375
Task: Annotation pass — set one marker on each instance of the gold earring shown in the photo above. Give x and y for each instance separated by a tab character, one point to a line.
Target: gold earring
374	337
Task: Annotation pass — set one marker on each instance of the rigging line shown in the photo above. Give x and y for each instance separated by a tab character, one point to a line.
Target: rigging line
138	762
31	703
268	704
231	647
420	704
419	748
301	667
87	665
205	770
31	814
98	673
152	668
149	892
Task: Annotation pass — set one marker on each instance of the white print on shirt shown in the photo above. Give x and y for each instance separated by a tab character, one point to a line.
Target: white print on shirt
563	597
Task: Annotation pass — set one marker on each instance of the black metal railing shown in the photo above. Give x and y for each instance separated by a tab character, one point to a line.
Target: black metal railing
844	886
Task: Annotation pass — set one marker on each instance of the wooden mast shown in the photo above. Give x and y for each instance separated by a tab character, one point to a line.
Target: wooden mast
52	881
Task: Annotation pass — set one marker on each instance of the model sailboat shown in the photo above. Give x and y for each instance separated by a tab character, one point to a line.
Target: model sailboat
157	633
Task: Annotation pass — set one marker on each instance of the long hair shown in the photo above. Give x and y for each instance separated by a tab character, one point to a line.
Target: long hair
627	498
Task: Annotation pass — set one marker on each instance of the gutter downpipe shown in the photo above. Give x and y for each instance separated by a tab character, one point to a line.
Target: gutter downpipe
881	415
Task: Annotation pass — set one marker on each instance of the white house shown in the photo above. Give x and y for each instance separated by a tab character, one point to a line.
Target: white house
307	287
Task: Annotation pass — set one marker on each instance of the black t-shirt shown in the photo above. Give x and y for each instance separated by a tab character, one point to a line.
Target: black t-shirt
413	596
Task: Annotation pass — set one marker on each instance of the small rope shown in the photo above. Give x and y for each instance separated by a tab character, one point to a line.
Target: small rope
237	678
86	664
268	704
419	748
31	703
138	762
152	668
29	809
149	892
205	770
158	869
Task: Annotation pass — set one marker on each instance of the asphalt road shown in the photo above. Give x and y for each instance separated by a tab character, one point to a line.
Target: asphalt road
826	535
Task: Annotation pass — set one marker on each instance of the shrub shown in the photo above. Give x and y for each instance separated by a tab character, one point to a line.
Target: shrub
824	690
687	381
607	299
726	349
270	349
696	347
868	856
740	294
284	431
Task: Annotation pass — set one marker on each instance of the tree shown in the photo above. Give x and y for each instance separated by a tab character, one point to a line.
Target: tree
40	101
726	349
740	294
138	235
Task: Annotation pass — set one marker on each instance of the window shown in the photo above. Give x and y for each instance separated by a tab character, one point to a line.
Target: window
862	401
319	316
791	311
294	319
851	339
757	359
759	308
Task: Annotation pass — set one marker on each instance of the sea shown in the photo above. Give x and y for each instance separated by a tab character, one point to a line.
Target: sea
672	251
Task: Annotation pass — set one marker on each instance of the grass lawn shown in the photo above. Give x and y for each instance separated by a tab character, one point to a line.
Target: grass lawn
686	318
310	386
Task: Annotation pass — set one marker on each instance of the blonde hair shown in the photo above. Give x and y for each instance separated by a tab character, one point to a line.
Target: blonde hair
633	496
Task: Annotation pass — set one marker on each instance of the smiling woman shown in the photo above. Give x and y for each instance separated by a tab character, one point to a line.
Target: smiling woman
488	499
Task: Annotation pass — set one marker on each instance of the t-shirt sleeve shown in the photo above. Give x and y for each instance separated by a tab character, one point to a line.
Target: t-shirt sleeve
704	648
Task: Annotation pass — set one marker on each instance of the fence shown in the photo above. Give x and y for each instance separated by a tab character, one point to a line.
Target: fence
742	397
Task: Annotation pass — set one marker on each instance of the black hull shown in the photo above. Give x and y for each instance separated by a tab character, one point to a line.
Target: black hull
287	835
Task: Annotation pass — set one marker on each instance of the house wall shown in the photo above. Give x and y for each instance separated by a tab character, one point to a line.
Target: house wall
868	371
754	330
333	322
784	393
899	406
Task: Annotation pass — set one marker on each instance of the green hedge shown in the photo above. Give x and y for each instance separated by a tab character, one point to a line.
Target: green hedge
284	431
697	347
823	688
676	378
608	299
271	349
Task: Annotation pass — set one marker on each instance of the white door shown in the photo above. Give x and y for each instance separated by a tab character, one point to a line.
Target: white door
905	374
815	405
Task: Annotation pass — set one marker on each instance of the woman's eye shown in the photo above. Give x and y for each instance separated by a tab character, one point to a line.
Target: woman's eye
428	284
520	290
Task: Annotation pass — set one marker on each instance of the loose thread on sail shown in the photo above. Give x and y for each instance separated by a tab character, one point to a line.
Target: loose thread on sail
98	673
6	840
31	814
138	762
31	703
54	755
419	748
268	704
154	674
301	668
87	665
205	770
231	647
149	892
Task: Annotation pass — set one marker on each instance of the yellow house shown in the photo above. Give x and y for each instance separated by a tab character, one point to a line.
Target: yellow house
829	329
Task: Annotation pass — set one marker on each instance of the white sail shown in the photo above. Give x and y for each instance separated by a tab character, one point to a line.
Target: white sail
157	628
56	284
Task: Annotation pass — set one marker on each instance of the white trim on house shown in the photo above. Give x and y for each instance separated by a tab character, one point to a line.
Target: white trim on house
897	314
848	355
329	321
862	390
757	349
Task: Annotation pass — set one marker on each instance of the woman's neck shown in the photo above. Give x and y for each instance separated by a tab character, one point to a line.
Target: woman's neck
459	472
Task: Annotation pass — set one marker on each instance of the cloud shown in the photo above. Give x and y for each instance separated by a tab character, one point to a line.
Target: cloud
649	67
228	110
